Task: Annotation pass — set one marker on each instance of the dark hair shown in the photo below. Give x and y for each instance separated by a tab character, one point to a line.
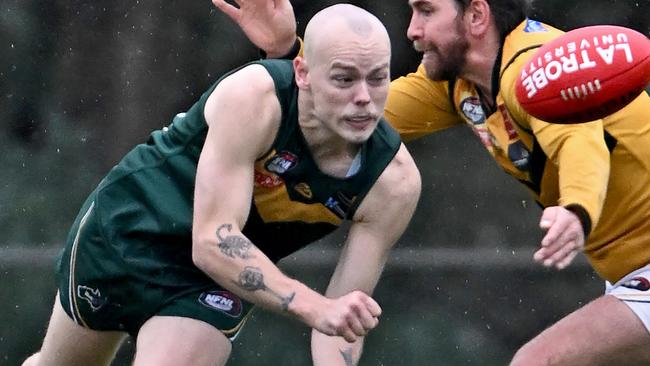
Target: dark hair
507	14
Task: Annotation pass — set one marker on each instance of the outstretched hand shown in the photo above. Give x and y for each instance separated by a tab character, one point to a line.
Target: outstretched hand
269	24
564	237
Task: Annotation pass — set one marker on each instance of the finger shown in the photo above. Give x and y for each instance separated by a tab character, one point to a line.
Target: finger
372	306
548	217
553	233
348	335
540	255
567	260
368	321
230	10
354	323
560	253
282	4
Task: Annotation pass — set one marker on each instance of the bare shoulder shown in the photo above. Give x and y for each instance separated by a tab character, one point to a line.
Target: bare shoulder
251	86
397	189
401	178
245	104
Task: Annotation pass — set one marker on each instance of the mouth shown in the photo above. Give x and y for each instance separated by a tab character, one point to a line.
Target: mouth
361	121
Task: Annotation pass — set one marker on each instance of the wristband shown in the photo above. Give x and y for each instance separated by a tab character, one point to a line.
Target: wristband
293	52
583	216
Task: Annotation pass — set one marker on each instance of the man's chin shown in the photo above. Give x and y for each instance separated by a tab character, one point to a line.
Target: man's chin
437	74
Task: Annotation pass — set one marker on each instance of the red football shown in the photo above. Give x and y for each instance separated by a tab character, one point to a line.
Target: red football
585	74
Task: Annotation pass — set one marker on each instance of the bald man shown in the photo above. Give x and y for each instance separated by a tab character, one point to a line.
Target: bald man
181	238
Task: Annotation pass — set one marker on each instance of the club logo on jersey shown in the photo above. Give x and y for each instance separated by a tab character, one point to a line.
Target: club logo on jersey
517	151
304	190
222	301
472	110
340	206
637	283
92	296
267	180
281	162
533	26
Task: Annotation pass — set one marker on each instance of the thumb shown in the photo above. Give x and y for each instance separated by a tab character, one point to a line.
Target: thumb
548	217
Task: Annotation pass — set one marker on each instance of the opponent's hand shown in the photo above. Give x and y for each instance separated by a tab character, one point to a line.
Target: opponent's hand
350	316
269	24
564	237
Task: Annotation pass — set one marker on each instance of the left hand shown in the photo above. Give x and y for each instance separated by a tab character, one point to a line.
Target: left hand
269	24
564	237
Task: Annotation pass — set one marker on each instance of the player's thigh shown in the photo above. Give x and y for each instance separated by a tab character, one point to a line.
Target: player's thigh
67	343
603	332
173	340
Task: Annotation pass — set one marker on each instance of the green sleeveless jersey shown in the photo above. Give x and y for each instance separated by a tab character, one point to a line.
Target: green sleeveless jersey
150	192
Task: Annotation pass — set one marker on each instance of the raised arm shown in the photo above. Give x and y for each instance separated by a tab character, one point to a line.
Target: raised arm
269	24
378	223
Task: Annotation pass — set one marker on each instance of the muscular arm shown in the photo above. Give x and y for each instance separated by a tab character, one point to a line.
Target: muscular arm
379	222
243	116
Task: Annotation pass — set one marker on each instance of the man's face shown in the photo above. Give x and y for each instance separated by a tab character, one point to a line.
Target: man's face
349	81
437	30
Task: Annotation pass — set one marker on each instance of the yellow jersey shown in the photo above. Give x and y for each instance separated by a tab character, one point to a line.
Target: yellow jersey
602	168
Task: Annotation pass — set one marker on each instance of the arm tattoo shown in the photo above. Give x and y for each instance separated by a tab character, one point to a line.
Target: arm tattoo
347	357
234	245
252	279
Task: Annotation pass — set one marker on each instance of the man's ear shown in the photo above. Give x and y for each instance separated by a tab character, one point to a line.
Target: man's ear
301	70
478	17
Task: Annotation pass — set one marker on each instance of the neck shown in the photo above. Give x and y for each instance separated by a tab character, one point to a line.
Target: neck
481	58
332	154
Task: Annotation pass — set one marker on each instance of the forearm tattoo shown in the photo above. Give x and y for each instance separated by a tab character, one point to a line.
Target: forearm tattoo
234	245
252	279
347	357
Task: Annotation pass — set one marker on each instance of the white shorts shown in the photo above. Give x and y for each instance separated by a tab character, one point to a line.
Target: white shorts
634	290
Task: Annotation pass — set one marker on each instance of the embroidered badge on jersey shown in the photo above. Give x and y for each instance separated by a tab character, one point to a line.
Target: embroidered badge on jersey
517	151
267	180
222	301
92	296
282	162
474	115
340	205
533	26
304	190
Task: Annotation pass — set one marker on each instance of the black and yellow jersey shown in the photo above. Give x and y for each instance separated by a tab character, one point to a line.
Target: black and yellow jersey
602	167
150	192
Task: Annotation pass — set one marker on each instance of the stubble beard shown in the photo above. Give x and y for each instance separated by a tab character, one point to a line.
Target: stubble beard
450	61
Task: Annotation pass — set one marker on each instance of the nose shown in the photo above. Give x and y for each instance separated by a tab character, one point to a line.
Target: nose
362	94
414	31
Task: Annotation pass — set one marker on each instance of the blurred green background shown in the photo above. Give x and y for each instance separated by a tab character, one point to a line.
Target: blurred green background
82	82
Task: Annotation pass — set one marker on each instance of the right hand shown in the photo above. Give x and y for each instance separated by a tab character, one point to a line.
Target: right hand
564	237
350	316
269	24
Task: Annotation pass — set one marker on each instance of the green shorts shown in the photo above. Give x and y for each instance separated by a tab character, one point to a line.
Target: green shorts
123	264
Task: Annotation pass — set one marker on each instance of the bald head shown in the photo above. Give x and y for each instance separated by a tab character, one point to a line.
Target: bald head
342	23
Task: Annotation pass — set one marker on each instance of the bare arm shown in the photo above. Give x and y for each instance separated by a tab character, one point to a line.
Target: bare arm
224	186
243	115
269	24
379	222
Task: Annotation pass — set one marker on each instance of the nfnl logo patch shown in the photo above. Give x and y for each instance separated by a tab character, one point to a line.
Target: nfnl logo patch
472	110
281	162
222	301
